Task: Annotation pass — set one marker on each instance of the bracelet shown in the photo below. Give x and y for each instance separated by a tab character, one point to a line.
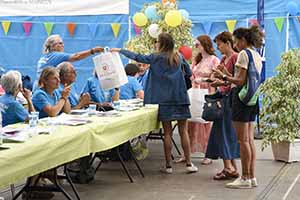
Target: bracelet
92	51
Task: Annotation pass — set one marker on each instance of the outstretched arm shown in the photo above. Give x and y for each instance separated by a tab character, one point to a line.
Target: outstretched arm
83	54
147	59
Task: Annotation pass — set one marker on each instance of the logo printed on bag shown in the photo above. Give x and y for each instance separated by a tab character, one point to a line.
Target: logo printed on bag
105	67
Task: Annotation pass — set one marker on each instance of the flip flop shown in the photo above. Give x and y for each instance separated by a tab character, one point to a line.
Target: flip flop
206	161
180	160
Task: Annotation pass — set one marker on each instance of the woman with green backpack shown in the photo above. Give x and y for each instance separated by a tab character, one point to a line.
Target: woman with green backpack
245	83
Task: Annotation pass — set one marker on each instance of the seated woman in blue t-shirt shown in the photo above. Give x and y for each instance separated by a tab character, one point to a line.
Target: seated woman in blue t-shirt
133	89
12	110
97	94
46	99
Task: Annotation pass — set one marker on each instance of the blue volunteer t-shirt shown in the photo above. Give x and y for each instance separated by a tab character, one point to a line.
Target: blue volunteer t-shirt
142	79
41	98
129	90
97	93
13	111
51	59
74	96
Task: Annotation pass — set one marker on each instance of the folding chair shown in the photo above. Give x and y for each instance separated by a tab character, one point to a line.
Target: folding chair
105	156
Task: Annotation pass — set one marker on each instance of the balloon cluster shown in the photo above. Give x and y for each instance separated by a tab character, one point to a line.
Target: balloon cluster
172	18
293	8
157	17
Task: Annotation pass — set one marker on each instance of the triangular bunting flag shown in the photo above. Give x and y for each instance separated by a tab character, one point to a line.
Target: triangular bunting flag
207	27
48	26
137	29
253	22
116	28
230	25
5	26
71	28
279	23
27	26
93	28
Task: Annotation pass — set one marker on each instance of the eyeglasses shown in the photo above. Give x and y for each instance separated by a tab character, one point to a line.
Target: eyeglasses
60	43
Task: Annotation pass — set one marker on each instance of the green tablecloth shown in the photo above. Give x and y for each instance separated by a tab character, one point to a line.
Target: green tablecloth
68	143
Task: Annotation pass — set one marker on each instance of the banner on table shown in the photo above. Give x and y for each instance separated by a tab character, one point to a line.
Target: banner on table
62	7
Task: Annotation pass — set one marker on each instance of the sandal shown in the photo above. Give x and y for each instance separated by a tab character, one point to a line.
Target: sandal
231	174
206	161
180	160
221	176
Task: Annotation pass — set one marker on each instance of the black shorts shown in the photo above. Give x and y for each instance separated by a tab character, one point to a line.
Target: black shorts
240	111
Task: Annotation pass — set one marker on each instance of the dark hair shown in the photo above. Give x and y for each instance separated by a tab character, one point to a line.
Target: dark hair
253	35
207	44
131	69
224	37
167	45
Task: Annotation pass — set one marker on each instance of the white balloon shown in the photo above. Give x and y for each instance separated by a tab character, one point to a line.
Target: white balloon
154	30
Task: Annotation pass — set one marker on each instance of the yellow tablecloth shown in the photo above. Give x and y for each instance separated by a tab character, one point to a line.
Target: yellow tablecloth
68	143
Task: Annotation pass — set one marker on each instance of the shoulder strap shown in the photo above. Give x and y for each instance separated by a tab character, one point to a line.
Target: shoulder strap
250	57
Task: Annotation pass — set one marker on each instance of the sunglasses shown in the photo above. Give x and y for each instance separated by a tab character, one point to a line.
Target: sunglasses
196	43
156	41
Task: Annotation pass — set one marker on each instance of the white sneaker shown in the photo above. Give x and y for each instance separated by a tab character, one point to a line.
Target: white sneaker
239	183
166	170
254	182
191	168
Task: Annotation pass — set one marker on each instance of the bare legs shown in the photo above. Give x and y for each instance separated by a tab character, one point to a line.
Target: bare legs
245	133
182	128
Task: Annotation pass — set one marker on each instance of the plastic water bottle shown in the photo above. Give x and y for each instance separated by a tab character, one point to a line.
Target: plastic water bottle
116	105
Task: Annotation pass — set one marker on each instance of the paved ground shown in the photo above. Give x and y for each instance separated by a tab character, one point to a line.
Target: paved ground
277	180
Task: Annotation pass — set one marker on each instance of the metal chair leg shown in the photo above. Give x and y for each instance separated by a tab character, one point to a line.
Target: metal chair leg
71	183
12	190
136	162
28	181
123	164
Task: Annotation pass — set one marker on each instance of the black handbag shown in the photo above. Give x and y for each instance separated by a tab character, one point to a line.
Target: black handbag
213	107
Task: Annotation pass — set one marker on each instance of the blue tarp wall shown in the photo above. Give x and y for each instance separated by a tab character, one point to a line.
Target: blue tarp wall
21	52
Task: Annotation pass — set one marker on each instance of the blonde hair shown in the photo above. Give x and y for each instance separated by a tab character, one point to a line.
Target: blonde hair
48	71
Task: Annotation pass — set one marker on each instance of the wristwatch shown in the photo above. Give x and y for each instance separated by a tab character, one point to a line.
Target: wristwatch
92	51
117	89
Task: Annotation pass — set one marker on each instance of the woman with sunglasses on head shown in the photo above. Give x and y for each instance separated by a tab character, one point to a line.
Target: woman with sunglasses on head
202	66
166	87
243	116
223	142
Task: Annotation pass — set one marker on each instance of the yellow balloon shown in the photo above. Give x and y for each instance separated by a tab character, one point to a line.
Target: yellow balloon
173	18
140	19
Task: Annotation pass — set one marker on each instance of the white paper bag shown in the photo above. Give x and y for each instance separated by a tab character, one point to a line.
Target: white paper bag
110	70
197	99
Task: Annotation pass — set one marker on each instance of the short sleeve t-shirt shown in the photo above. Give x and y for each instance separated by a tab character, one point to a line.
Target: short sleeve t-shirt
97	93
13	111
51	59
243	60
129	90
41	98
73	97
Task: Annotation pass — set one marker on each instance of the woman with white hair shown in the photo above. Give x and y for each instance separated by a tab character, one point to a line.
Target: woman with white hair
53	53
12	110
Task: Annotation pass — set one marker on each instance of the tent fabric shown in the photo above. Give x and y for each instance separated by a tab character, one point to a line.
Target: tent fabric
21	52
